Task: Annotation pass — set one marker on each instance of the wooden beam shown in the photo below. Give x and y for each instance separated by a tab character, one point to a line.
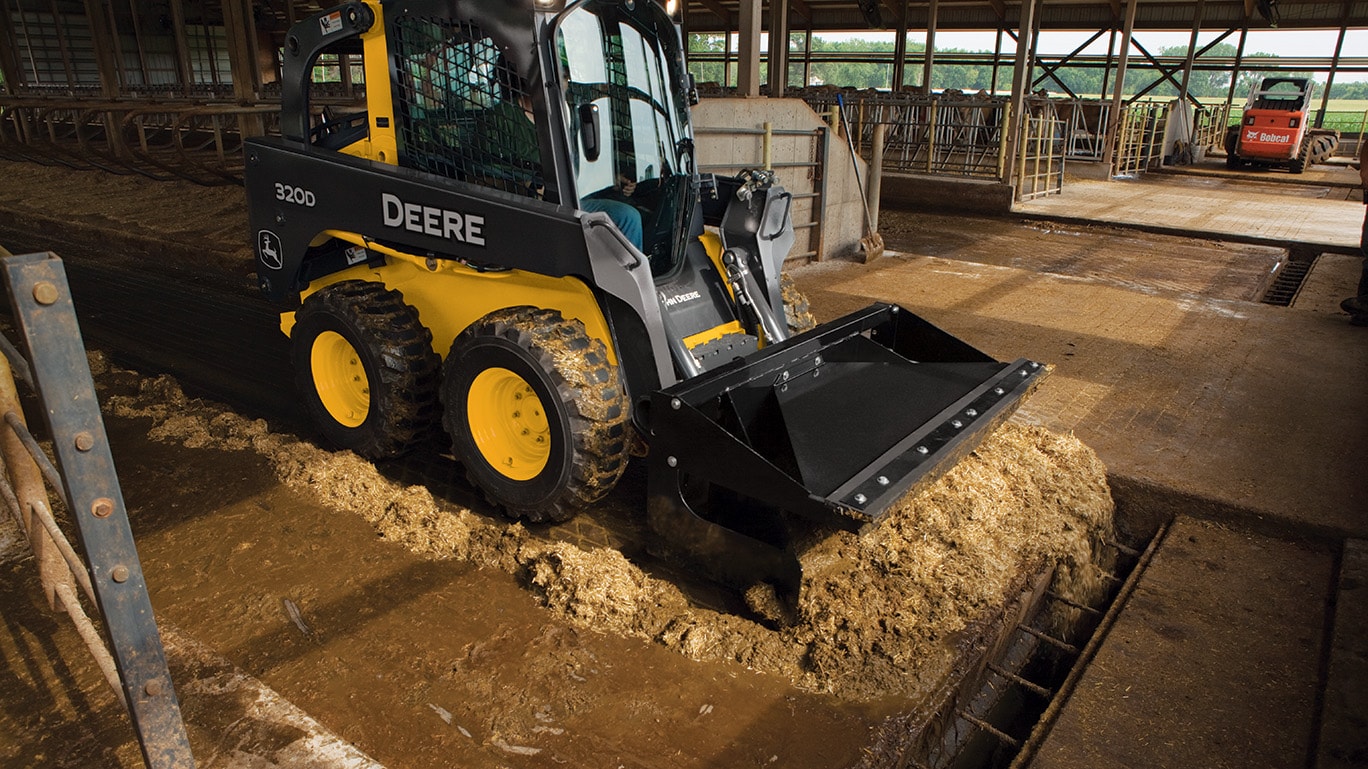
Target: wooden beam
9	47
182	46
720	11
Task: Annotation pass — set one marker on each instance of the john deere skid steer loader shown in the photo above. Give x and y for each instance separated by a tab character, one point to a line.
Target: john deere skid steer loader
513	241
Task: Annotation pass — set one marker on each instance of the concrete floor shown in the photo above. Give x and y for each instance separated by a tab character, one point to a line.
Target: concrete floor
1242	643
1243	423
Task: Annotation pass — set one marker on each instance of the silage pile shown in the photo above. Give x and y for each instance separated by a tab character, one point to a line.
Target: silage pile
882	612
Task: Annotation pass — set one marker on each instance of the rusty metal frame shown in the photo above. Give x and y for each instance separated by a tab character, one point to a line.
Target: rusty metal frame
134	663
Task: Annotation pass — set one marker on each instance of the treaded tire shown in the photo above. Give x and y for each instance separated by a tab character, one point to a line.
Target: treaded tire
583	414
1298	164
393	351
1232	142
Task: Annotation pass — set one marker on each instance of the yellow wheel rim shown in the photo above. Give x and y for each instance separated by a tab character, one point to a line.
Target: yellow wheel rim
509	424
340	379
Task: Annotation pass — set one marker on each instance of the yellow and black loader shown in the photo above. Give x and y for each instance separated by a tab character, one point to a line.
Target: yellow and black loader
513	242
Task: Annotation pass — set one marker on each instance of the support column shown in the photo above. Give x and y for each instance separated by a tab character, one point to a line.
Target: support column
1334	65
241	65
748	63
1191	52
9	46
778	47
1235	73
807	56
1111	52
933	11
997	59
102	43
726	57
900	50
187	76
1021	81
1123	56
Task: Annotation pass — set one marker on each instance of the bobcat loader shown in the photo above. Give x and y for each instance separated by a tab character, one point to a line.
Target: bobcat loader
513	241
1275	129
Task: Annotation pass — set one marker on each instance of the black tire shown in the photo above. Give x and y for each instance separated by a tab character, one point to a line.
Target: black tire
365	368
1298	164
493	368
1232	145
797	311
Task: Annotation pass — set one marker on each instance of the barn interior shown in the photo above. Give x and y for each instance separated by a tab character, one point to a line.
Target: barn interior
1157	560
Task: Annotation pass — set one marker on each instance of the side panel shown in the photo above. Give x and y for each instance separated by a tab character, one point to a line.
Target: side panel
294	195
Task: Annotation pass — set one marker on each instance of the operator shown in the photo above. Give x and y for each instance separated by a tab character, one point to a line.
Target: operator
1357	306
522	145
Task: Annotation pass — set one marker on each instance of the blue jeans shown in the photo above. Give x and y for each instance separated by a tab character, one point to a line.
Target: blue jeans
624	215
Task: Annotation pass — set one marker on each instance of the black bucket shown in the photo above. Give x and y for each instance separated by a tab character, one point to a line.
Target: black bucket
829	427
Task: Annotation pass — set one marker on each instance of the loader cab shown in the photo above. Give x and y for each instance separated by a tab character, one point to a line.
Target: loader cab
624	93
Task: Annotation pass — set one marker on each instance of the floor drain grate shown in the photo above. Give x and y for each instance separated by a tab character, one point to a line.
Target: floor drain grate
1287	282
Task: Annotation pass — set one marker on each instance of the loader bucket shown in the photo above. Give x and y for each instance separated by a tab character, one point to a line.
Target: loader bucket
826	429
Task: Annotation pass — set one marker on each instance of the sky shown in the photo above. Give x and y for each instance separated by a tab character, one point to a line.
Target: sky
1281	42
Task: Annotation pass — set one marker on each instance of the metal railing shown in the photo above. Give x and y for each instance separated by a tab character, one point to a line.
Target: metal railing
198	142
1210	126
1139	138
1040	159
84	481
942	134
800	169
1084	126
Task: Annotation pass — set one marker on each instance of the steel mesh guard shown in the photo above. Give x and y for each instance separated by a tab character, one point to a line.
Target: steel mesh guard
460	109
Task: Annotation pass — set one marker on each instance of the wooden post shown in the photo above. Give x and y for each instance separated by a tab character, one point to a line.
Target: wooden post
748	65
1021	74
933	11
778	47
1123	56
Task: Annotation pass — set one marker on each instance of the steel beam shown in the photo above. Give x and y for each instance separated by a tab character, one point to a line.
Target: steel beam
47	322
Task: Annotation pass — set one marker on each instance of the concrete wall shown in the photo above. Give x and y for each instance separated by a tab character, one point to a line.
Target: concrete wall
953	194
843	217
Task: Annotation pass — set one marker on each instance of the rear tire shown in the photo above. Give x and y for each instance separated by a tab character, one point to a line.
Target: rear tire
1298	164
365	368
535	412
1232	146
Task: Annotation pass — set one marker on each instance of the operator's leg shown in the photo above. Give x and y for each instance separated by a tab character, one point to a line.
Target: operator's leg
1357	306
624	215
1363	249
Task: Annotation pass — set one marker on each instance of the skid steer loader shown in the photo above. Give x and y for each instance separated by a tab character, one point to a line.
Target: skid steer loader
513	241
1276	129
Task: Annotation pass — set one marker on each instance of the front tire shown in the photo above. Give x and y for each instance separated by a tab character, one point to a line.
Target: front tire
365	369
535	412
